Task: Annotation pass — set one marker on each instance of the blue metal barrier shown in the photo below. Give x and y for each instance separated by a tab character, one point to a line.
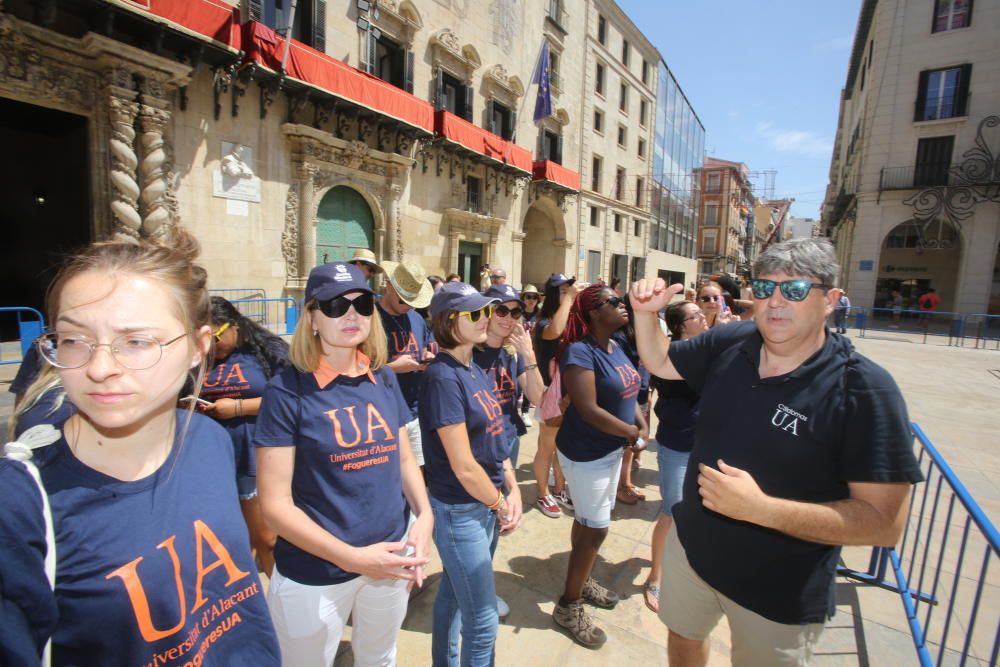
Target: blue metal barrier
278	315
920	567
28	329
983	329
916	323
251	297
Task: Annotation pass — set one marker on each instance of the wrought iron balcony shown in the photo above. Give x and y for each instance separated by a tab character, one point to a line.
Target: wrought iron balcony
916	176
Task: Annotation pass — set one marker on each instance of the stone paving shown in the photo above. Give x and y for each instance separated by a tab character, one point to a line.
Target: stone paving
951	393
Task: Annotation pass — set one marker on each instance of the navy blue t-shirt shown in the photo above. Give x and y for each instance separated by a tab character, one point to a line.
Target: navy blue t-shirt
618	384
504	369
676	410
31	366
462	394
240	375
408	336
347	479
545	350
155	571
805	435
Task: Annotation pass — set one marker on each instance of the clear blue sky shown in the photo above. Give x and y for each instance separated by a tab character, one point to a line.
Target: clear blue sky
764	77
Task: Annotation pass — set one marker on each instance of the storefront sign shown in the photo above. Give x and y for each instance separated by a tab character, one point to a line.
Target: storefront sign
889	268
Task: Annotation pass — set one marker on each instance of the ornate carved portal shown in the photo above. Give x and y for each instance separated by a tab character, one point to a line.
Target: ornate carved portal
975	181
321	161
113	85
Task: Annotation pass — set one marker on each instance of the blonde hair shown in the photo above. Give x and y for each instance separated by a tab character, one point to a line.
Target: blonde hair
306	348
48	380
172	266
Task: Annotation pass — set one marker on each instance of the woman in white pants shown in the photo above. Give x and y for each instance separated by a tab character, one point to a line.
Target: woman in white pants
338	482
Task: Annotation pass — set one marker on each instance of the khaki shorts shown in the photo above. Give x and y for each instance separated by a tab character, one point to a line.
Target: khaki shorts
691	608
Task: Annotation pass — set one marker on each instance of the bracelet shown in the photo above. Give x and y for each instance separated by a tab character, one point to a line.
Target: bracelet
499	501
530	367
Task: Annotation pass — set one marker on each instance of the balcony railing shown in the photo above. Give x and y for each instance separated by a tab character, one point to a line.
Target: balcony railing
916	176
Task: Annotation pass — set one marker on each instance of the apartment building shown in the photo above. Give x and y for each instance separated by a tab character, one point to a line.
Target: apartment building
912	202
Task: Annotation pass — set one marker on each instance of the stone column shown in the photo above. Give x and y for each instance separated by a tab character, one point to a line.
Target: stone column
154	114
517	257
394	248
123	108
453	238
307	219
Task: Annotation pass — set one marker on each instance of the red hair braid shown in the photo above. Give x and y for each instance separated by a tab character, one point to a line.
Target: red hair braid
577	327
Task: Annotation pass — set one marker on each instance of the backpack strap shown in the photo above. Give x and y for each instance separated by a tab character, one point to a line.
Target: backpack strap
22	450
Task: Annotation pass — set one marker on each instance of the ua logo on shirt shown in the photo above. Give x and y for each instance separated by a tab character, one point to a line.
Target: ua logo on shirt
234	373
129	574
631	380
404	342
374	421
492	409
787	419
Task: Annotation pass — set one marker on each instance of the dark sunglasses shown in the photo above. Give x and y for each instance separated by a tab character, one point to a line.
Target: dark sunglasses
793	290
473	315
504	311
709	297
533	297
363	304
615	301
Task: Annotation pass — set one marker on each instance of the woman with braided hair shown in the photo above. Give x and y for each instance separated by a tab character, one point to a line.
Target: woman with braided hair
602	418
246	356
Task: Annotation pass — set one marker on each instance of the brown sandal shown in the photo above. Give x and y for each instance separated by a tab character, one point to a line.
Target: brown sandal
629	495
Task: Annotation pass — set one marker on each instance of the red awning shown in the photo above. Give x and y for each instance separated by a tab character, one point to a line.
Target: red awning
214	19
478	140
547	170
265	48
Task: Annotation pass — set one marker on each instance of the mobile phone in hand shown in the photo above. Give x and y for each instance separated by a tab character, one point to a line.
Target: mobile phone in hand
200	401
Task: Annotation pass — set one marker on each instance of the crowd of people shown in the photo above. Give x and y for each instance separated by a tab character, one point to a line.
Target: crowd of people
166	450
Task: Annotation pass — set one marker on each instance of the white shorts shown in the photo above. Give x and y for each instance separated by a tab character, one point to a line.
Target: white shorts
310	620
416	441
593	486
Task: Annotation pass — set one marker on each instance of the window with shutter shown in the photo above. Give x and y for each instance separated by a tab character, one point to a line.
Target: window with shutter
943	93
319	25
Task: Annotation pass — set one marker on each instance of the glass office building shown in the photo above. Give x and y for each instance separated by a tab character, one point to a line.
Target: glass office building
678	153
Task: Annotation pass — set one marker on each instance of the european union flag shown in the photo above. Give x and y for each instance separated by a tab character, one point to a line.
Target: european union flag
543	101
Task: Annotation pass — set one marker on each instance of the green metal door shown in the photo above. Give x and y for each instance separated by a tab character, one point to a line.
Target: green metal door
344	223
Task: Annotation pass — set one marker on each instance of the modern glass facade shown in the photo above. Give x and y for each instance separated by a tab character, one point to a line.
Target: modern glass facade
678	151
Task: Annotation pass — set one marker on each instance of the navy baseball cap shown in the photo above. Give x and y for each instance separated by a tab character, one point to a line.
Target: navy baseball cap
557	279
458	297
503	293
328	281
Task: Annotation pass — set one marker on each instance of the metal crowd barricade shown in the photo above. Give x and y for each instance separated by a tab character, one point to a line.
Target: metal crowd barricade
942	568
854	318
278	315
30	325
250	297
915	325
983	329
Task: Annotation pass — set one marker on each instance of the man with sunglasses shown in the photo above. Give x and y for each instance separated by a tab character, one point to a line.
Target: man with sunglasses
407	335
818	454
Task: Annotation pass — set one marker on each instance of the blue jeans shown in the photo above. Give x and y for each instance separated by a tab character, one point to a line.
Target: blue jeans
466	536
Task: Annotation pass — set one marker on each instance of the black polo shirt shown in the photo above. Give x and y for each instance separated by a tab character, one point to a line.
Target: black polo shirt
803	436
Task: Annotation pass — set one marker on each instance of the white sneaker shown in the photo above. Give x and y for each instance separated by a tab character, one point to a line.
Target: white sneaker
528	422
502	607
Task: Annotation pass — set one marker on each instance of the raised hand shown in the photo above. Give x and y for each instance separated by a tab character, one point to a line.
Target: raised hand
653	295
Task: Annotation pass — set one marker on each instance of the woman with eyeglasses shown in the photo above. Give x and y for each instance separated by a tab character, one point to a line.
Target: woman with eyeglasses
339	482
676	412
122	538
711	301
466	460
246	356
602	419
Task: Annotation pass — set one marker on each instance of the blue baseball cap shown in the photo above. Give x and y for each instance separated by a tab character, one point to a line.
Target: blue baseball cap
558	279
328	281
503	293
458	297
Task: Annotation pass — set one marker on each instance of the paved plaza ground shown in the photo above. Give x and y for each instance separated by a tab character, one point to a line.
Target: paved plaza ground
951	392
